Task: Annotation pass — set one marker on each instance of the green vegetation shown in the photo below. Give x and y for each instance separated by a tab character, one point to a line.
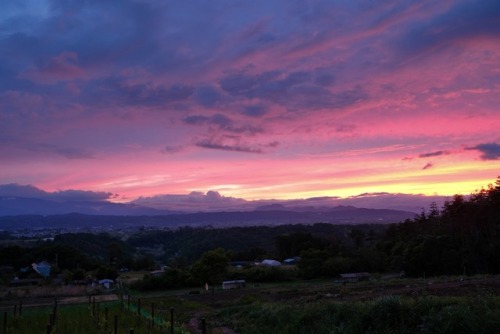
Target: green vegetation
391	314
99	318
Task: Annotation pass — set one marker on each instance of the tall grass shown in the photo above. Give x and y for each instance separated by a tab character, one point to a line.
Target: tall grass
390	314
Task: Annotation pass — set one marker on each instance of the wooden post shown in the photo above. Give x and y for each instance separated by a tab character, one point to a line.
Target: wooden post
203	326
116	325
171	320
51	318
105	319
49	328
54	313
152	314
97	314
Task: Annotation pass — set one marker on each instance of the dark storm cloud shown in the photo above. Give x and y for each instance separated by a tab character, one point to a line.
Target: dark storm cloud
490	151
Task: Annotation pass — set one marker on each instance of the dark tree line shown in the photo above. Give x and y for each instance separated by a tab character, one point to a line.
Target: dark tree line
462	238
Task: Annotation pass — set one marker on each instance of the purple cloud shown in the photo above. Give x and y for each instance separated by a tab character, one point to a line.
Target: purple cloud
228	143
490	151
428	165
433	154
29	191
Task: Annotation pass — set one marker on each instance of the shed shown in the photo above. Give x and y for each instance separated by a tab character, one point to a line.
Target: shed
107	283
270	263
355	277
236	284
43	268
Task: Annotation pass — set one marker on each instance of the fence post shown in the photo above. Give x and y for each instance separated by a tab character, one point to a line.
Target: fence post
203	326
105	319
131	331
5	322
171	320
139	306
15	310
97	314
152	314
54	313
49	328
116	325
128	302
20	308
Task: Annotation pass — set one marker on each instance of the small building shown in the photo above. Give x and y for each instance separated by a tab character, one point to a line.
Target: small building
355	277
292	260
157	273
107	283
43	268
236	284
270	263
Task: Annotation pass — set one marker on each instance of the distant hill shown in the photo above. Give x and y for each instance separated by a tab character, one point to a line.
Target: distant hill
11	206
336	215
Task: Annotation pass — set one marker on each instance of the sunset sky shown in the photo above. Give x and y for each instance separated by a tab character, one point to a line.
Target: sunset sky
252	99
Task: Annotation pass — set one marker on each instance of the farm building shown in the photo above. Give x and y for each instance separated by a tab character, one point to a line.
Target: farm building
43	268
237	284
270	263
292	260
355	277
107	283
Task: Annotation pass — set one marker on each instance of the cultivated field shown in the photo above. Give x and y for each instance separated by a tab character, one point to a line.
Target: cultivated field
438	305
